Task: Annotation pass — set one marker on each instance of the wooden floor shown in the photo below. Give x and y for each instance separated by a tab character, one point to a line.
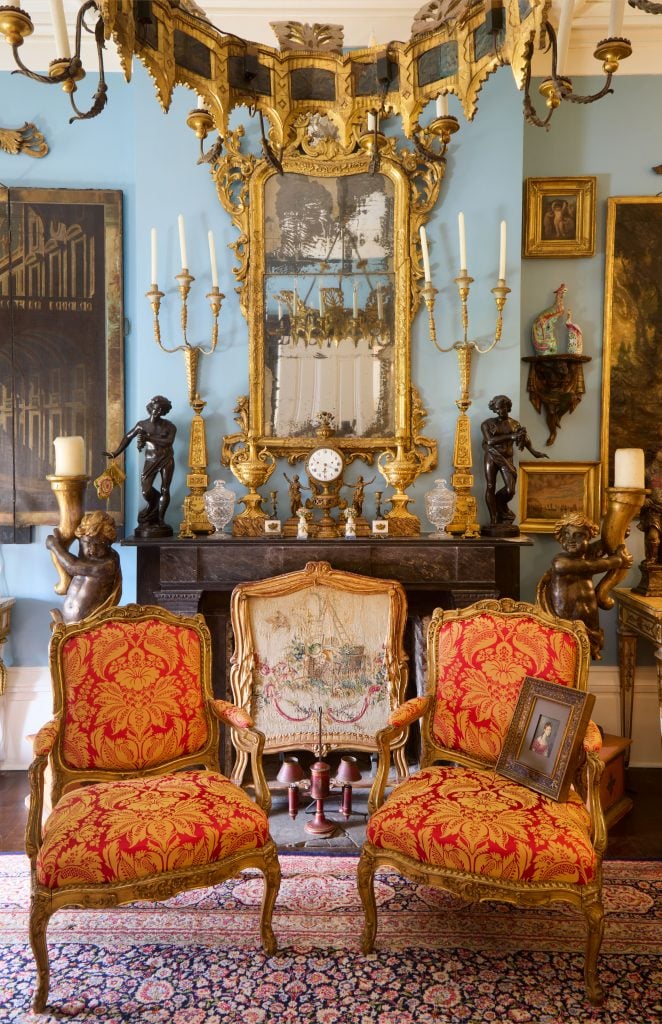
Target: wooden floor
637	836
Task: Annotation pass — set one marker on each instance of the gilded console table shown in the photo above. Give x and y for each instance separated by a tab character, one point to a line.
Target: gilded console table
637	616
200	574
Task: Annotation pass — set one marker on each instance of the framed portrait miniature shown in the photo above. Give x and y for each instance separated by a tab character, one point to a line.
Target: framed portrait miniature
559	217
548	491
544	741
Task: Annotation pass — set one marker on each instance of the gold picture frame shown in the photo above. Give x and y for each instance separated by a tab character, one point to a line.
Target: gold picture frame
559	217
550	490
544	740
632	330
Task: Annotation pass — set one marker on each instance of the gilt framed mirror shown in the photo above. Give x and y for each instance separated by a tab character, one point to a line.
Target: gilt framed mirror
329	303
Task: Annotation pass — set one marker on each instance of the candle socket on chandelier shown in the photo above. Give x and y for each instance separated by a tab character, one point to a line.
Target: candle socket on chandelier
195	519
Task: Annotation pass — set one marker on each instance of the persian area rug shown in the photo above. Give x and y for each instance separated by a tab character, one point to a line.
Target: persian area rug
197	959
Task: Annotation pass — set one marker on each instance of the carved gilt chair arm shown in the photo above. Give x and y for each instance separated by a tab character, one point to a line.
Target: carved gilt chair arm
42	745
399	721
249	739
408	712
232	715
592	738
587	783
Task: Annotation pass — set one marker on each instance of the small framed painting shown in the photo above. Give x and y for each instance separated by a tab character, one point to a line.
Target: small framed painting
559	217
544	742
548	491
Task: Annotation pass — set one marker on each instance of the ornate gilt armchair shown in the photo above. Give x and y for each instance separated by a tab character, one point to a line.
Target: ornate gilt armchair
457	824
140	808
319	637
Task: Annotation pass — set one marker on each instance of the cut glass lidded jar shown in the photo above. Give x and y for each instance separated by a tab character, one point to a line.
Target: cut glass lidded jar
440	504
219	506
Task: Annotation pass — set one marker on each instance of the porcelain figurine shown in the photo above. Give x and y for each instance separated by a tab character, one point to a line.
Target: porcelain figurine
543	332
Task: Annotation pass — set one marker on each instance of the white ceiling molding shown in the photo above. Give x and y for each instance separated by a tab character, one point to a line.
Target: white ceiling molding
385	19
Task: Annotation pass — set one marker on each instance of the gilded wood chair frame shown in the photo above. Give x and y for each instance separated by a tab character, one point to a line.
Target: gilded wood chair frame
472	886
244	660
49	760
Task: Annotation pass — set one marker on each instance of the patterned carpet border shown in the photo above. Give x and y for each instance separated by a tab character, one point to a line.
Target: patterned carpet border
438	961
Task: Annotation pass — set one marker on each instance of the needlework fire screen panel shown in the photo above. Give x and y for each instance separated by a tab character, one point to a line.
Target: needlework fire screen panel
320	648
61	342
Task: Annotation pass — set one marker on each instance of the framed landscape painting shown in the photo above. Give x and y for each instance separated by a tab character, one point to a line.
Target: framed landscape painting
550	490
632	368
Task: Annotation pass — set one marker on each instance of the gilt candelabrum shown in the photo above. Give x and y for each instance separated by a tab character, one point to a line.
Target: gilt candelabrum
465	520
69	492
195	519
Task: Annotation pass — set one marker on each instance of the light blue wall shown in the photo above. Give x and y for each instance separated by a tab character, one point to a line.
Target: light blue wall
611	139
151	157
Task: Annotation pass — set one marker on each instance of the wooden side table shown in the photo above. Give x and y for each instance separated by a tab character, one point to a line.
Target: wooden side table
637	616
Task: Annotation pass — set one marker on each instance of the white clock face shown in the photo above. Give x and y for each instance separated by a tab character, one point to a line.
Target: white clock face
324	464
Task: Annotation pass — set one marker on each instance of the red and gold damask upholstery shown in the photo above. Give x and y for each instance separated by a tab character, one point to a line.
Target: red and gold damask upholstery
133	696
125	830
481	664
131	764
457	824
475	821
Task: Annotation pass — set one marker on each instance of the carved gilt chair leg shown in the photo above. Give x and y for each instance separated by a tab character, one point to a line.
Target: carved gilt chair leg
365	877
39	916
271	873
596	922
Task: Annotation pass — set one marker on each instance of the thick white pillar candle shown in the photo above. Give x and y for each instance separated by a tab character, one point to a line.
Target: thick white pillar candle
212	259
442	105
426	255
616	13
502	252
182	242
154	278
69	456
629	467
60	29
563	35
463	242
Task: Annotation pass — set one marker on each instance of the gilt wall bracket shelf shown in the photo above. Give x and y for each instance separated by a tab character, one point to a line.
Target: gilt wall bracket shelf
555	384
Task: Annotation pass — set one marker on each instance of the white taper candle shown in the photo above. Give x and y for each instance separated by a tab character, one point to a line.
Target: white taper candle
212	259
502	252
442	105
424	251
60	29
563	35
616	14
463	241
182	241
